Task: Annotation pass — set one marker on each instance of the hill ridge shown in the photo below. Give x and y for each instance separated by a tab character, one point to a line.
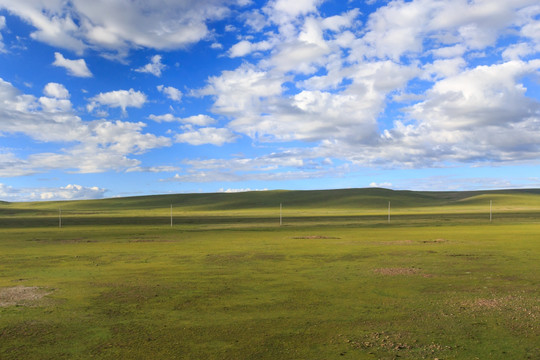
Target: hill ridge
331	198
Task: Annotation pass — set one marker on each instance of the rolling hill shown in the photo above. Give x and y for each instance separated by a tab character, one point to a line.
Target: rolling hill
363	199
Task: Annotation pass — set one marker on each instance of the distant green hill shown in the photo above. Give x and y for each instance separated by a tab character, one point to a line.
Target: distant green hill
365	198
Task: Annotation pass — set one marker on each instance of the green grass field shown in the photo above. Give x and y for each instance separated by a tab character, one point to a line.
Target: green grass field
226	281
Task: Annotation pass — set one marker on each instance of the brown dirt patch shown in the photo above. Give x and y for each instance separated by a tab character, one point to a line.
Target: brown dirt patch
396	271
22	296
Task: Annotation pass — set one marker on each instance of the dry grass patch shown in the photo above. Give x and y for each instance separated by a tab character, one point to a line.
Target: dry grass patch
396	242
396	345
514	303
316	237
396	271
401	272
435	241
22	296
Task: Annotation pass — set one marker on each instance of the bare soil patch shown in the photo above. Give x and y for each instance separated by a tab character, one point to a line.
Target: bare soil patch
397	271
22	296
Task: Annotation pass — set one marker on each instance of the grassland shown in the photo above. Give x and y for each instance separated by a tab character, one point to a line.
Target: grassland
336	281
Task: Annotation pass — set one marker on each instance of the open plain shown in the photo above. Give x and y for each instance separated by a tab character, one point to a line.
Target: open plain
435	275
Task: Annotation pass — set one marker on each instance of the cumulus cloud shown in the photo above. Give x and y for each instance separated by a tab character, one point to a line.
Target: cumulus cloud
116	26
245	47
72	192
118	99
344	81
198	120
294	9
207	135
2	26
68	192
55	90
276	166
171	92
155	67
239	93
231	191
76	68
483	96
91	146
386	185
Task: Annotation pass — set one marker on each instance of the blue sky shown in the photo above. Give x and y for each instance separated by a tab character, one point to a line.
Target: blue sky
117	98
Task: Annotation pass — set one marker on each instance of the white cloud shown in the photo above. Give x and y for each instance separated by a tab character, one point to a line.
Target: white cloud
245	47
118	98
296	8
198	120
449	51
231	191
56	99
76	68
207	135
21	113
171	92
155	67
386	185
2	26
339	22
276	166
443	68
53	24
242	48
56	90
72	192
93	146
68	192
115	26
238	91
153	169
163	118
517	51
485	95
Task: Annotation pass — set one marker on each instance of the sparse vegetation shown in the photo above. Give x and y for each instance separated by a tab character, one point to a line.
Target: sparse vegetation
227	282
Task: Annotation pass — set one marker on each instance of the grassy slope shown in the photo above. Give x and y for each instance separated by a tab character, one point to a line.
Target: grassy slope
370	198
